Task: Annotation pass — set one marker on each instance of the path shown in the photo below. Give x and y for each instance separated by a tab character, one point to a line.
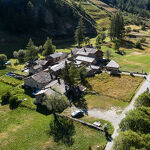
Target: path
115	118
143	88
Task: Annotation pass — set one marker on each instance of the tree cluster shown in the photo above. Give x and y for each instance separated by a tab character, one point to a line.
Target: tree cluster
31	51
140	7
3	59
117	27
74	75
8	98
135	127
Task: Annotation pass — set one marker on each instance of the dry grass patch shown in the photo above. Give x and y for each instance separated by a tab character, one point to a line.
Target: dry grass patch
104	102
121	88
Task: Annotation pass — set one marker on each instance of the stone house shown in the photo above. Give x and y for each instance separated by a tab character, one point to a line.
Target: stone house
58	56
87	52
86	60
38	80
92	70
57	68
38	66
56	86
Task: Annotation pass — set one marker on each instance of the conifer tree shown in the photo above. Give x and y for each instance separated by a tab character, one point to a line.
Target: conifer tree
49	48
117	29
31	51
79	33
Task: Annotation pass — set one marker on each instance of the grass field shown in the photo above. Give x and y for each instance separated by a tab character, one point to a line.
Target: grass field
112	91
26	129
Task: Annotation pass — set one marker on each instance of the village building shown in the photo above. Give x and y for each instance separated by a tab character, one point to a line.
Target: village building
113	67
38	80
38	65
57	57
92	70
87	52
86	60
56	86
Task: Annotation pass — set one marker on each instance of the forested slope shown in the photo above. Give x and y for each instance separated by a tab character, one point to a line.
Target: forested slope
44	17
140	7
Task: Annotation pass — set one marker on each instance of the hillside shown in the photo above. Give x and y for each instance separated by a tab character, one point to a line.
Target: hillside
140	7
51	17
22	19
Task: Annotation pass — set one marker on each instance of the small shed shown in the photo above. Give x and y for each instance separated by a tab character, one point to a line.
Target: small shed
113	67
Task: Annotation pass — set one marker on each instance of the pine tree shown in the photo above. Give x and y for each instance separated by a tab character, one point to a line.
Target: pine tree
31	51
49	48
117	29
79	33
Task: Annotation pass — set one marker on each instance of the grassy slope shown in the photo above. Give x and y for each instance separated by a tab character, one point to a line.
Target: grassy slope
25	129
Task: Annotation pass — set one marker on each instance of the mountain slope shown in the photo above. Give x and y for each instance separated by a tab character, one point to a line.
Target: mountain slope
58	19
141	7
50	17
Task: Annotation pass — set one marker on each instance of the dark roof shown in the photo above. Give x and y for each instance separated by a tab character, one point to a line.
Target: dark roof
43	77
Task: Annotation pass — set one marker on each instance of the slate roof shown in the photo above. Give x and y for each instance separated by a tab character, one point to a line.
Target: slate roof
56	55
37	67
43	77
58	67
86	51
52	87
112	64
41	62
85	59
75	50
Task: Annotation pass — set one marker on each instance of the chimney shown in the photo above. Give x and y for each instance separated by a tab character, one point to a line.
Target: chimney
51	76
59	80
84	49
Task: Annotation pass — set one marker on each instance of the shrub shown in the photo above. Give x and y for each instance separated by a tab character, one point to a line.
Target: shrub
138	45
5	98
142	40
13	102
128	30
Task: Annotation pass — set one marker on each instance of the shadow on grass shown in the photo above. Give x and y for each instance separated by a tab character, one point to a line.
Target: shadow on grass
42	109
127	44
2	67
81	103
62	130
29	92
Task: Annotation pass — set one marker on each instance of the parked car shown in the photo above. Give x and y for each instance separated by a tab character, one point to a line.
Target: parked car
8	63
77	114
97	124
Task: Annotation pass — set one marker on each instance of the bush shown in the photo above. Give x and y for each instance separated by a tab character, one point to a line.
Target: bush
13	102
5	98
142	40
128	30
138	45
